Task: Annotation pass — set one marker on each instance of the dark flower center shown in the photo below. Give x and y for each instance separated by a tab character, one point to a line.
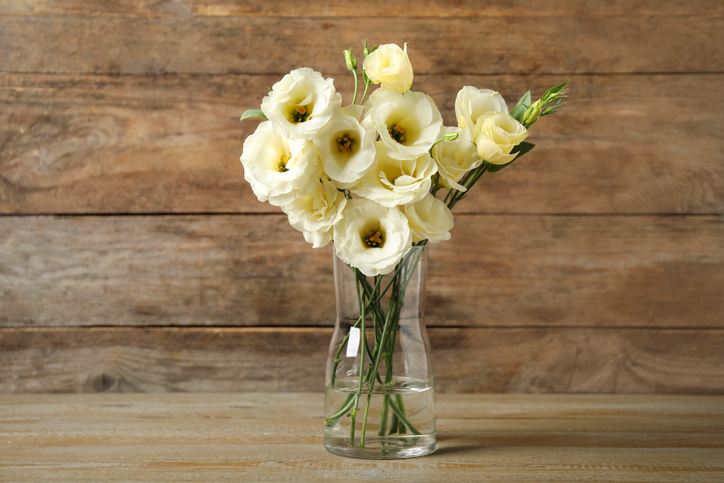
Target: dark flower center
299	114
345	143
397	133
374	239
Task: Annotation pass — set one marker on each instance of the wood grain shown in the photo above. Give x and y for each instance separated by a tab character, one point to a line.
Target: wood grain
278	437
273	45
171	144
460	8
98	8
339	8
555	360
131	108
256	270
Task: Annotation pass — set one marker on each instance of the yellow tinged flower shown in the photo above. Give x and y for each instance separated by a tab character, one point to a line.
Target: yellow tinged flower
408	124
430	219
390	66
472	102
372	238
347	147
277	168
455	158
316	213
391	182
301	104
497	134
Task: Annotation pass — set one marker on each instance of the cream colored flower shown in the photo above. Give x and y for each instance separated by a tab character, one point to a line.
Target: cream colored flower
301	104
347	148
472	102
390	65
498	134
408	124
316	213
279	169
430	219
391	182
371	237
455	158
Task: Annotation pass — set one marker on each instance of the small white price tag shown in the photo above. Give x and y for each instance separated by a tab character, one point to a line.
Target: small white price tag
353	342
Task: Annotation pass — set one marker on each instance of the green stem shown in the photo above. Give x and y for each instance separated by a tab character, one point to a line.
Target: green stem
435	184
367	85
402	418
356	83
401	405
353	418
367	288
364	421
383	415
395	423
389	337
438	141
470	180
337	360
361	368
388	352
368	298
383	341
346	406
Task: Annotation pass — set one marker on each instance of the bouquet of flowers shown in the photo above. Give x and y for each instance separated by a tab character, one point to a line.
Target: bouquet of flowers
370	177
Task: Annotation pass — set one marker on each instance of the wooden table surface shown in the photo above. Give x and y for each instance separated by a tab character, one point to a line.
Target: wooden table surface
278	437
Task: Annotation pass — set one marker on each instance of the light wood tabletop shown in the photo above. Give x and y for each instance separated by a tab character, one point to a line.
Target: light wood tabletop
278	437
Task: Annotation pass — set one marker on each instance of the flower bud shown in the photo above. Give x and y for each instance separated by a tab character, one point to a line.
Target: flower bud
367	51
451	136
350	60
533	113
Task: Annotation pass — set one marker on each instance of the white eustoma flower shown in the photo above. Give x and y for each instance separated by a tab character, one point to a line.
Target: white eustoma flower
301	104
498	134
455	158
371	237
347	148
472	102
408	124
316	213
390	66
279	169
430	219
391	182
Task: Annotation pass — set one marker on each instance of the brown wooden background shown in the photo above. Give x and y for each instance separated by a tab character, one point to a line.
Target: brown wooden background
134	257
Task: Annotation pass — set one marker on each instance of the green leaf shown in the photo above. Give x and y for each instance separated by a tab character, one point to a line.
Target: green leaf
518	111
253	113
521	149
553	91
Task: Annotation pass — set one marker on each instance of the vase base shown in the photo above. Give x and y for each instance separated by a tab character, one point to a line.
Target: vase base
387	448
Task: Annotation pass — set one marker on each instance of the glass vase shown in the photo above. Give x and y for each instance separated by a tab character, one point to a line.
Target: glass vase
380	396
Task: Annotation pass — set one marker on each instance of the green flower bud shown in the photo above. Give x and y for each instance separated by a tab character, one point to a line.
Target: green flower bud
451	136
365	50
533	113
350	60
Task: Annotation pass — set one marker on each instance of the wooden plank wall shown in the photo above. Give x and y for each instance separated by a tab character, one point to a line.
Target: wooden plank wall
134	257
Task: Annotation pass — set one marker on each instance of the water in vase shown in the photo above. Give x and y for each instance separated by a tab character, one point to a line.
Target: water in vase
400	419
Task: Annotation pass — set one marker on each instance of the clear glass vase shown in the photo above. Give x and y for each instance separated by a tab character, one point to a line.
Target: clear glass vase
380	396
